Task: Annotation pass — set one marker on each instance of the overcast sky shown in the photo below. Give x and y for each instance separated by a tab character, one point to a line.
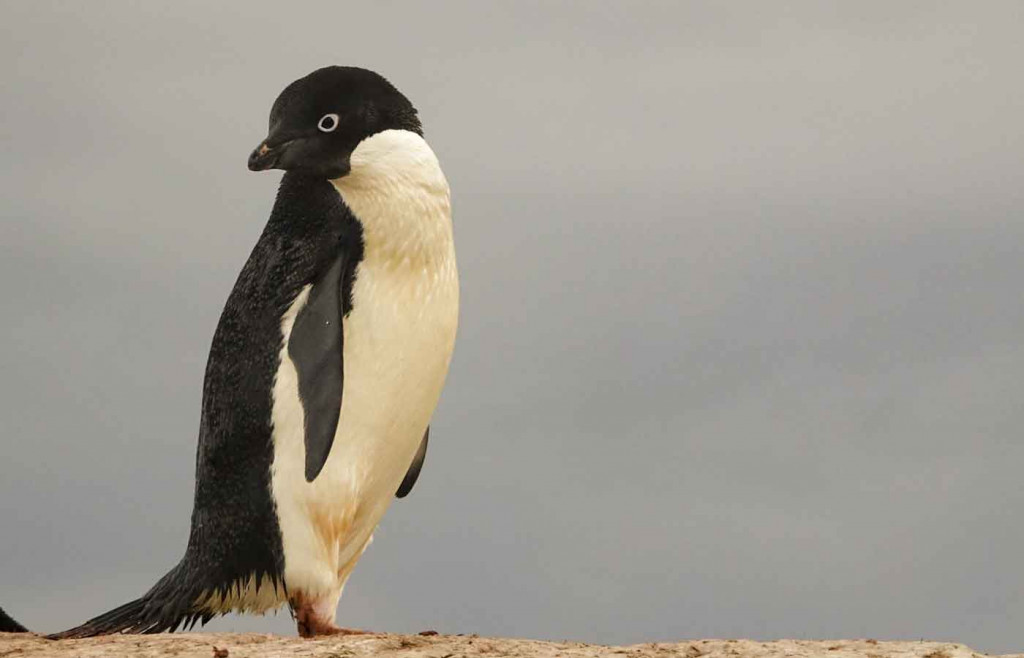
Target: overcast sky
742	335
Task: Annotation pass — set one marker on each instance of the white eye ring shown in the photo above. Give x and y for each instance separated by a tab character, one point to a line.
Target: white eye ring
328	123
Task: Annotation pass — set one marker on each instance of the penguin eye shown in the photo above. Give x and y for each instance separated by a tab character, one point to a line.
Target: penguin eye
328	123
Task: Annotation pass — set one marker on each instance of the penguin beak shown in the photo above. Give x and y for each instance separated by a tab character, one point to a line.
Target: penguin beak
295	152
265	157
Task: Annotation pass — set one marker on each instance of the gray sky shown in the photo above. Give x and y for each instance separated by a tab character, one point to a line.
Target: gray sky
741	340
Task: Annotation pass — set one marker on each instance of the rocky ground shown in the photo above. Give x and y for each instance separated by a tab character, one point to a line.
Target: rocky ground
230	645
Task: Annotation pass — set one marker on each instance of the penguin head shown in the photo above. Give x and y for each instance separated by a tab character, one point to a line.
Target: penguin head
318	121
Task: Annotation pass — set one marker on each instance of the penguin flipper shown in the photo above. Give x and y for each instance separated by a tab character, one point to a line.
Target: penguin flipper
414	470
315	346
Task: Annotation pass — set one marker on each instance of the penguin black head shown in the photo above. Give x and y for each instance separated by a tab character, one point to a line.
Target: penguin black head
318	120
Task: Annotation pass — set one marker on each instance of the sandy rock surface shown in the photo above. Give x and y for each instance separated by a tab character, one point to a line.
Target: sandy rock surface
231	645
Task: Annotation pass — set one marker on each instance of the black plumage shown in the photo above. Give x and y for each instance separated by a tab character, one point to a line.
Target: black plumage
235	535
8	625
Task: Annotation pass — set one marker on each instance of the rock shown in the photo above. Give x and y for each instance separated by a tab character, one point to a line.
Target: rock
248	645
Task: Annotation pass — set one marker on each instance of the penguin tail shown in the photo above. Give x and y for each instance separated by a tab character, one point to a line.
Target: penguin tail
8	625
161	610
138	616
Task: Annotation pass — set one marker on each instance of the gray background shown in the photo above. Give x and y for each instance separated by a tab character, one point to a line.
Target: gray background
741	342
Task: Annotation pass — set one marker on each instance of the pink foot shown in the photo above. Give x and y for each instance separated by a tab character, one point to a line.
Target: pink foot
317	629
313	620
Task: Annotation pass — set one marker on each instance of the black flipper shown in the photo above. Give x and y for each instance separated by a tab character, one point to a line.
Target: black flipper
316	348
414	470
8	625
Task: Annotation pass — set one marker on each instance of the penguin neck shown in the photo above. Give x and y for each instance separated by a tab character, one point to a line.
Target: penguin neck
399	194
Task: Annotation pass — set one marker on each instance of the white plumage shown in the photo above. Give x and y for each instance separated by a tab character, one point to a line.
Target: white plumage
398	341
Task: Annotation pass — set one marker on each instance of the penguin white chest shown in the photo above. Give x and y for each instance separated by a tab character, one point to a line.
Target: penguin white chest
398	341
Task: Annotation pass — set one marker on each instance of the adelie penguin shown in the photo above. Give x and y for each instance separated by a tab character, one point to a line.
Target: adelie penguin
325	367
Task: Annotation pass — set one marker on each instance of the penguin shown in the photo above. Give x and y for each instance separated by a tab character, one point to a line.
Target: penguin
325	367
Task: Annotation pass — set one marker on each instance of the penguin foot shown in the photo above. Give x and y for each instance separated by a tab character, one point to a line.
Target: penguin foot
316	628
315	617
